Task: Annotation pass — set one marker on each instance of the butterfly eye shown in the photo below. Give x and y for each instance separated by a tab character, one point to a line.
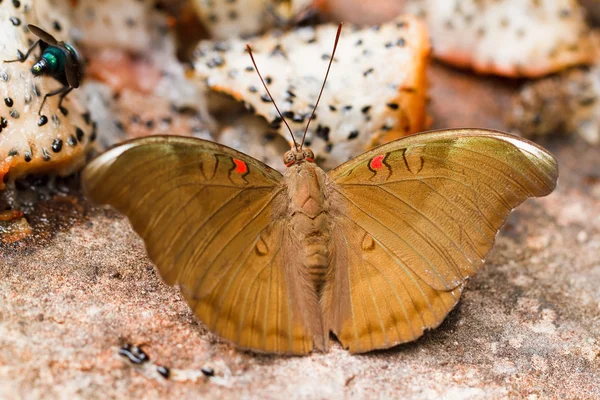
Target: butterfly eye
309	155
289	158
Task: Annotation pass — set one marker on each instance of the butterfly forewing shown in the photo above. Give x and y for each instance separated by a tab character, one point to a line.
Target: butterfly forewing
413	219
210	219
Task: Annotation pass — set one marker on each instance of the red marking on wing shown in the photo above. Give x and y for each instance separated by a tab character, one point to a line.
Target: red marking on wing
377	162
240	166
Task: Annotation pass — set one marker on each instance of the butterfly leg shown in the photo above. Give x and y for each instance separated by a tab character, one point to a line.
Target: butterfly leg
22	57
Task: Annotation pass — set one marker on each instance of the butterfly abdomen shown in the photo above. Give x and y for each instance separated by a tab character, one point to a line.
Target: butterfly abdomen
309	220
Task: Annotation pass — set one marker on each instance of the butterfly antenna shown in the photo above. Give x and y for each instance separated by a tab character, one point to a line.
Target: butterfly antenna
337	39
269	93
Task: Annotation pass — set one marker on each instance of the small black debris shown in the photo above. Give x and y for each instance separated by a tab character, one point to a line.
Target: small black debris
164	371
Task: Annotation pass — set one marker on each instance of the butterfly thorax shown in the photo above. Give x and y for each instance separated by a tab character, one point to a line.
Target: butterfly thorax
309	218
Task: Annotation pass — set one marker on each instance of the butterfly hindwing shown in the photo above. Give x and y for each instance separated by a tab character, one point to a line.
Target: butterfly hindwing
414	219
209	217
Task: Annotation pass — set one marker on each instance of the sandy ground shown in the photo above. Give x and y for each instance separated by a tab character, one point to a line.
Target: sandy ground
528	325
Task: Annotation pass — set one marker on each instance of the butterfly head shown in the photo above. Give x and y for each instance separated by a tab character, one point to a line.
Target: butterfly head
294	156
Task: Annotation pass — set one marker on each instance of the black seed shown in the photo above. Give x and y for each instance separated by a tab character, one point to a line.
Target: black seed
8	101
135	119
325	56
276	123
278	51
64	111
43	120
27	156
208	371
150	124
215	62
365	109
119	126
212	18
249	68
233	15
79	133
16	3
4	76
353	135
87	118
328	148
288	114
36	90
358	42
3	122
323	132
332	108
71	141
15	114
45	155
393	106
290	93
164	371
57	145
13	152
265	98
386	128
56	26
367	72
55	120
564	13
167	120
312	40
300	118
347	108
268	80
401	24
130	22
15	21
389	45
401	42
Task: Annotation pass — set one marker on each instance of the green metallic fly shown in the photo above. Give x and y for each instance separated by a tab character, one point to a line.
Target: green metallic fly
58	60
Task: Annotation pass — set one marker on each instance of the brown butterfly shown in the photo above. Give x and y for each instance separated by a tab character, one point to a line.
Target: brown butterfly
376	251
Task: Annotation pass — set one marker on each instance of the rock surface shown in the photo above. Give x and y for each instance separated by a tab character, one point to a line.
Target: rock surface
528	325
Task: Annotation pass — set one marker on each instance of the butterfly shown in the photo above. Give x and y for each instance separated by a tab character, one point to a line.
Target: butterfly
375	251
